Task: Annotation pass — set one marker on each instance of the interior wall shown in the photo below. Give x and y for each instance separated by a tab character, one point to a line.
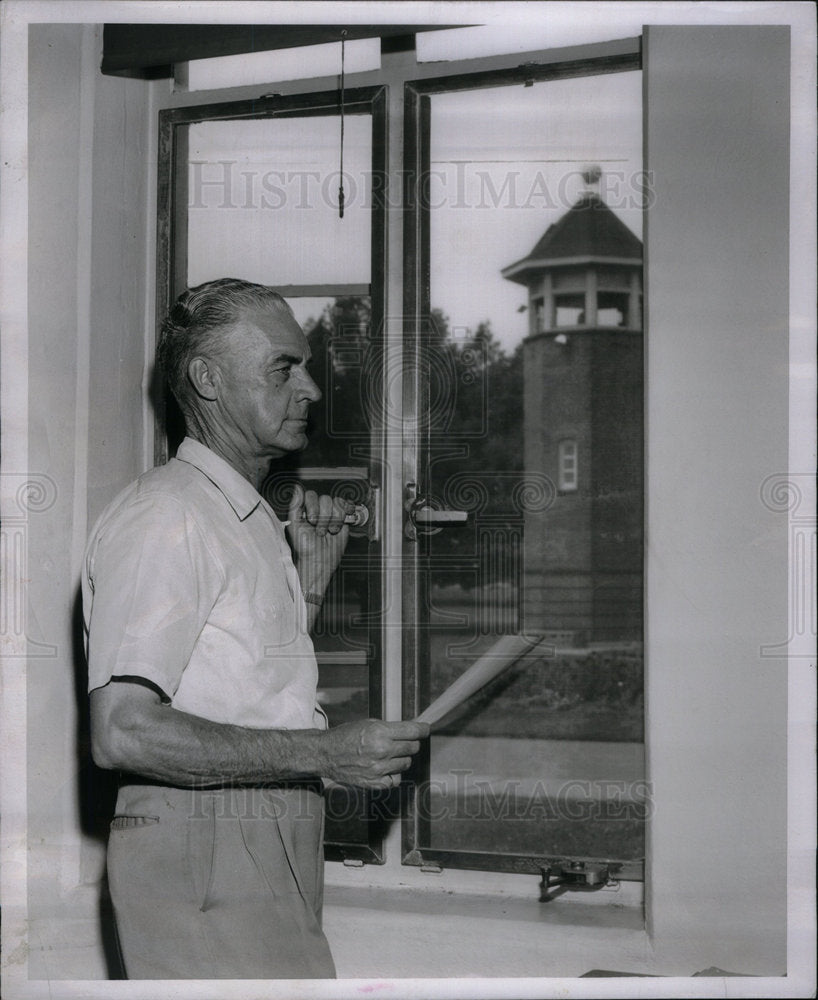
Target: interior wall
56	247
88	230
717	276
122	317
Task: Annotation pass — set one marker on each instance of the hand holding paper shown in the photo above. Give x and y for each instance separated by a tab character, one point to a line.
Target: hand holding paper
507	650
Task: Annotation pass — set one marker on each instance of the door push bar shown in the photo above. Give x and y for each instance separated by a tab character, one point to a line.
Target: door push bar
361	522
365	519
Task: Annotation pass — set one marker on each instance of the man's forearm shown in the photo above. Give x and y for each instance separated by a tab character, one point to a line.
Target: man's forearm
131	730
167	745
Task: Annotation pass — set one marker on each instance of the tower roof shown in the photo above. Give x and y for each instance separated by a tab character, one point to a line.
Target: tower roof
588	231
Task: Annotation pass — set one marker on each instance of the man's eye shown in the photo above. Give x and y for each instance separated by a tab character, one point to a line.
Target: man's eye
282	373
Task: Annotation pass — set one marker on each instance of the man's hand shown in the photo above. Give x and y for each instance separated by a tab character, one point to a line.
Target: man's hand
371	754
318	536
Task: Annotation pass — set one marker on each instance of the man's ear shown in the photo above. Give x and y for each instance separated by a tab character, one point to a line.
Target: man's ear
204	378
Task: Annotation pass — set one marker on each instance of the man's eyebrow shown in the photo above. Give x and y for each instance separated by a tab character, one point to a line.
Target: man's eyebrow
292	359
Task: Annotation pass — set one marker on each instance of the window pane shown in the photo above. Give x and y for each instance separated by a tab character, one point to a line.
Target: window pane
535	271
263	200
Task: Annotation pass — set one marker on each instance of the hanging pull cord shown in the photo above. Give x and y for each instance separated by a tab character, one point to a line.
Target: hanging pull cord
341	172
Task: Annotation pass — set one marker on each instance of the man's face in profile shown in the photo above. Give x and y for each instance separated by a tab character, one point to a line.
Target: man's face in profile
265	388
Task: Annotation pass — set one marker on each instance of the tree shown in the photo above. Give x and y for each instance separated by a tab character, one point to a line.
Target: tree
485	425
477	390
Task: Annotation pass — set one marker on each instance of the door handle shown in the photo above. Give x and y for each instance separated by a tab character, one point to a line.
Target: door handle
363	520
425	517
359	516
431	515
357	519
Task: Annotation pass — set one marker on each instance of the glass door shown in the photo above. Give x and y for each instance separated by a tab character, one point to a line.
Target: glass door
524	513
251	190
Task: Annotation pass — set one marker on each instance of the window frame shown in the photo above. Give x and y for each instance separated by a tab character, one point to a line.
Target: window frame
416	306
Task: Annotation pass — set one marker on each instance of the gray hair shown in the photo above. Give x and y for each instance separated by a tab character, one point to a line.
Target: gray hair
197	321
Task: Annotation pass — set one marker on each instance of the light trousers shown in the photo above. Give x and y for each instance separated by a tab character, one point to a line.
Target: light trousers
219	884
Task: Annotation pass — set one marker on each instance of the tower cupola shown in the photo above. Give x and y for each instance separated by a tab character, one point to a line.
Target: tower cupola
585	271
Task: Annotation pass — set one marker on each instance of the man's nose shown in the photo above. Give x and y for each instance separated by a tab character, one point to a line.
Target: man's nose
309	389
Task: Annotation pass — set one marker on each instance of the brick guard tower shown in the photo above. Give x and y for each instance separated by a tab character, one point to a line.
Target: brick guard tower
583	424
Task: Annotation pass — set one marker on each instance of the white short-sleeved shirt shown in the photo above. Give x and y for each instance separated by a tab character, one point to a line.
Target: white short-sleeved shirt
189	584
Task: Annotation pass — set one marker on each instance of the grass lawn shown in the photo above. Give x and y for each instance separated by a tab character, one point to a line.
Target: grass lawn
523	720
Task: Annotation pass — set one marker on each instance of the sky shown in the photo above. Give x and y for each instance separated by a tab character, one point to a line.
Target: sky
506	162
523	149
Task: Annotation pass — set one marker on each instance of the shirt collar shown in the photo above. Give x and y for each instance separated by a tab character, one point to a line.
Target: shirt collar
241	496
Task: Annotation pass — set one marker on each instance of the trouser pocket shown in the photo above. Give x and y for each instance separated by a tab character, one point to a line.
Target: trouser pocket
123	822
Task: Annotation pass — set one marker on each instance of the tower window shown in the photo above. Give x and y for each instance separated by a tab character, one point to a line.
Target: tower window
612	308
567	466
539	315
569	310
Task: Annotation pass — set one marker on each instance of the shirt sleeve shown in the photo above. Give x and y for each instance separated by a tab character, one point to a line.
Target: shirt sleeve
153	581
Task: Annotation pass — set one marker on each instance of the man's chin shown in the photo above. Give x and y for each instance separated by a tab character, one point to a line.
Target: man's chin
298	442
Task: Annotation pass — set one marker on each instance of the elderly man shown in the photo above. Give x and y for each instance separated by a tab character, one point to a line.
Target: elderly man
202	675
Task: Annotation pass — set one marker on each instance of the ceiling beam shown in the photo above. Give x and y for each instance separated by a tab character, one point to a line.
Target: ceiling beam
151	50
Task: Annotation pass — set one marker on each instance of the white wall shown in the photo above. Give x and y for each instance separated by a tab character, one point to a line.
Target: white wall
60	157
716	253
88	233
